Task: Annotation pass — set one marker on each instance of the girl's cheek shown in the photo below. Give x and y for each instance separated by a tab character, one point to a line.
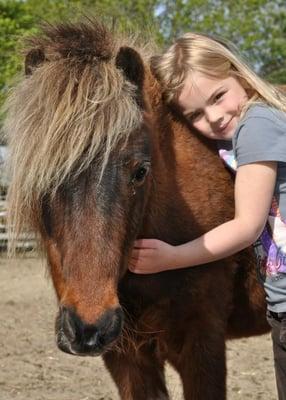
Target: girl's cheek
227	103
202	127
198	126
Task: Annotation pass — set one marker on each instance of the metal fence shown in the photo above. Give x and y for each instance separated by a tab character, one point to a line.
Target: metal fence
25	242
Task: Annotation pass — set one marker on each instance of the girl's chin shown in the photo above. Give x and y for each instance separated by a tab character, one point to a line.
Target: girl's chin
228	133
222	135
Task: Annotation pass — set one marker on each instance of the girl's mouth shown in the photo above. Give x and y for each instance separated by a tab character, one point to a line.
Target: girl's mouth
223	128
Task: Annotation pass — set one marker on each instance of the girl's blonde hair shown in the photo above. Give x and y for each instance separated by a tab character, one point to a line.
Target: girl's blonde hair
213	57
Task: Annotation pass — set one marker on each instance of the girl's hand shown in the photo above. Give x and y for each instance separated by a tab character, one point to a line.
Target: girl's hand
151	255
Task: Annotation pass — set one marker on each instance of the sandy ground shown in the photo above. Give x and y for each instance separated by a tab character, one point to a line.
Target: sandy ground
32	368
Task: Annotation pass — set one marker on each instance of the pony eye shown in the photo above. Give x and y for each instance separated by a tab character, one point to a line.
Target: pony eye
141	173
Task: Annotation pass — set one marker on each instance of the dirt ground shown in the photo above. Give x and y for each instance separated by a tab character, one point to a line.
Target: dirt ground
32	368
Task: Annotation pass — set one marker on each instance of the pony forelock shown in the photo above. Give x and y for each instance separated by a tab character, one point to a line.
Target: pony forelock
71	111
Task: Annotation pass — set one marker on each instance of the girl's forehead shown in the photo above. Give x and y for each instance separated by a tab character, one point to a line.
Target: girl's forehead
198	88
197	81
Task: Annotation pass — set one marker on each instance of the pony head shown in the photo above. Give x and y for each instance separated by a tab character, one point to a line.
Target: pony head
80	133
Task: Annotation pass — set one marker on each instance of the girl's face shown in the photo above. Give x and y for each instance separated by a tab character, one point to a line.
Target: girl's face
212	105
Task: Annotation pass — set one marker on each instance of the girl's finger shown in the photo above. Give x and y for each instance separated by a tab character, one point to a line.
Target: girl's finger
135	253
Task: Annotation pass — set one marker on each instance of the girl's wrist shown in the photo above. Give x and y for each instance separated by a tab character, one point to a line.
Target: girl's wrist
175	258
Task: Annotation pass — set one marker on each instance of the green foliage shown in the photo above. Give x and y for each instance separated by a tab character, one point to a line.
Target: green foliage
19	18
257	27
14	23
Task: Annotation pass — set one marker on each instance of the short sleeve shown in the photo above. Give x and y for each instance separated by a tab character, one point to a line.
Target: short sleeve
260	138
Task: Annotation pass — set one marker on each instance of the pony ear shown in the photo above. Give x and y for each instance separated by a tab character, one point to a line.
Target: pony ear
33	59
132	65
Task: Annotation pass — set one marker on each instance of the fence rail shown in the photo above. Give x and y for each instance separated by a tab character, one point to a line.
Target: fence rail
24	241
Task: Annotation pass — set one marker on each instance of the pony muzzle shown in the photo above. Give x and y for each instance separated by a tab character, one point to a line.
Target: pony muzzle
76	337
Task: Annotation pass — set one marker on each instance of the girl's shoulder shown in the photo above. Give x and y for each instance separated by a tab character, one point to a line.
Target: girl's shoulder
260	135
262	111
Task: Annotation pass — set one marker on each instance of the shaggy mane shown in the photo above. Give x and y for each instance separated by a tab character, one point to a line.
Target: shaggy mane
68	111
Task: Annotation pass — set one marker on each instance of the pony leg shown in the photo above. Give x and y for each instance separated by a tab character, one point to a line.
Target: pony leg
202	365
138	376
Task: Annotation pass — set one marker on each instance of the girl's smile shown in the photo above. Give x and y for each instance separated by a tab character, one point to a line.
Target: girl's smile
212	105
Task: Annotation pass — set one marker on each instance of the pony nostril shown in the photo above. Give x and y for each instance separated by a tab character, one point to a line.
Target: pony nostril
90	336
76	337
68	325
91	342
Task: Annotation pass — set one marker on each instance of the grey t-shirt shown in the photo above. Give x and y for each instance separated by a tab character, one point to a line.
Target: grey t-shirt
261	136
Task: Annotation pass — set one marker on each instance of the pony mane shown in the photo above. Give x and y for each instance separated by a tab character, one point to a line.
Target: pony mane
73	109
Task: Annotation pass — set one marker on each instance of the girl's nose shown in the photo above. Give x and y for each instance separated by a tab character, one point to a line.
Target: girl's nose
214	116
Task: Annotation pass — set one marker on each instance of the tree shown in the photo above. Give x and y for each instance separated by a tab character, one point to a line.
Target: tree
14	23
19	18
256	27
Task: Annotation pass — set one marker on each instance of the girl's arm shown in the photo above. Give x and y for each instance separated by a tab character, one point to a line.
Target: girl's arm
254	187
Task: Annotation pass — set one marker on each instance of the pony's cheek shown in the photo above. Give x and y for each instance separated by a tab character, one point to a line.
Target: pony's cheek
56	270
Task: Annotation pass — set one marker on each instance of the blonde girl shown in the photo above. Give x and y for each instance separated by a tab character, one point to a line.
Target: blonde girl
223	99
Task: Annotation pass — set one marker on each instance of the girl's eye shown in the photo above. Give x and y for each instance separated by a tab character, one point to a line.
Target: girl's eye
219	96
195	115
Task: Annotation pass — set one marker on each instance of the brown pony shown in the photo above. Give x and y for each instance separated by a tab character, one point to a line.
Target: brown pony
98	160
